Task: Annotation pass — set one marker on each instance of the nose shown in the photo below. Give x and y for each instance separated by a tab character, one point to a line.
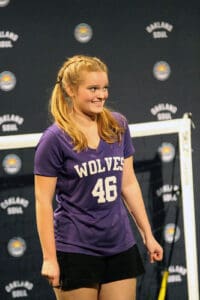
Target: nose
102	93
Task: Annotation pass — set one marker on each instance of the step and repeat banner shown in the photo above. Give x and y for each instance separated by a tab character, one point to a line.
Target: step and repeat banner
152	51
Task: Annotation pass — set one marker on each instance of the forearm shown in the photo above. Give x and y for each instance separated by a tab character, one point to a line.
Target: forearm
132	195
134	200
44	217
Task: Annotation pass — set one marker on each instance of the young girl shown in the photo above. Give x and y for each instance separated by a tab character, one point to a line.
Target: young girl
86	159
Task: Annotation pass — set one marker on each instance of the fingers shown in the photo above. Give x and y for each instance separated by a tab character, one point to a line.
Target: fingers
151	258
155	256
53	281
56	286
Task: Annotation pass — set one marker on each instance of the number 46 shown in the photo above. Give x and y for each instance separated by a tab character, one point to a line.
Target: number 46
105	189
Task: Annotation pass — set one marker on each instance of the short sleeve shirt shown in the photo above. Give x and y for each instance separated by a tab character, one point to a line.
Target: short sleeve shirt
90	216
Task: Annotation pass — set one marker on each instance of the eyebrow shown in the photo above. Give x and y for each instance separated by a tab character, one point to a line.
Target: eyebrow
97	85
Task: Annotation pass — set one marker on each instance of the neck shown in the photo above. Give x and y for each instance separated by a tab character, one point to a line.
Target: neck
84	119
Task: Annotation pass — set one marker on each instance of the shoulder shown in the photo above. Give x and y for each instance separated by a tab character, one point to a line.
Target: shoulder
120	118
55	139
49	152
53	132
50	136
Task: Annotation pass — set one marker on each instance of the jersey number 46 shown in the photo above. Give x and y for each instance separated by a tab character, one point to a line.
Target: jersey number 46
105	189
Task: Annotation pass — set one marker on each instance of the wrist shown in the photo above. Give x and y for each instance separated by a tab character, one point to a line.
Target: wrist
148	235
49	257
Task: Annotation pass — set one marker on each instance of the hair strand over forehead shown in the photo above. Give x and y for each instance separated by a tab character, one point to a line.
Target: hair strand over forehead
71	71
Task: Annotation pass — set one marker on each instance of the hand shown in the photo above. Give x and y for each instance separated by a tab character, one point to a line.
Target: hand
50	270
154	249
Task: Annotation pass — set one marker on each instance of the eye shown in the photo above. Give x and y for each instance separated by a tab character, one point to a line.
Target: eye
105	88
93	88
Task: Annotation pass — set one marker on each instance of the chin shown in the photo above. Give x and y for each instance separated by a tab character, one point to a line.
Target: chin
98	111
92	114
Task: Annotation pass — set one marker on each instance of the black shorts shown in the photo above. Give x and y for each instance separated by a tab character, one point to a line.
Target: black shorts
81	270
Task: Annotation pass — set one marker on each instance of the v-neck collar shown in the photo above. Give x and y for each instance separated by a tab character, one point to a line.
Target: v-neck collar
98	149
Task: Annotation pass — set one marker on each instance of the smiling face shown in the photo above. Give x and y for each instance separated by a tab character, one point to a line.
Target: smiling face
91	94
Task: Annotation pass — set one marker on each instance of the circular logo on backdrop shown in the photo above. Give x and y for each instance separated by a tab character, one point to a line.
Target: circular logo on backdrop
7	81
16	246
4	3
161	70
166	152
12	164
169	232
83	33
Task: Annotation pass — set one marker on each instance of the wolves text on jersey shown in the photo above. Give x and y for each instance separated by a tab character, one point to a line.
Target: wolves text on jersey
91	167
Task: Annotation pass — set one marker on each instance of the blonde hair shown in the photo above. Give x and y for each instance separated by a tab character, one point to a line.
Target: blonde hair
60	103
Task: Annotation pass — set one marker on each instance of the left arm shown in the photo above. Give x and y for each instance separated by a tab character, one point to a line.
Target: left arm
132	195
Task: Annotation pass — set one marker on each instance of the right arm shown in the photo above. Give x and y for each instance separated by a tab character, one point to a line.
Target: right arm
44	193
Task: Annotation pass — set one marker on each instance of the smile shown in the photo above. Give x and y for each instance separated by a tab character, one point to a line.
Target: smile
97	101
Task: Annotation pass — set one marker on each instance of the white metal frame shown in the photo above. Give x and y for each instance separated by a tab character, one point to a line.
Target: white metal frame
183	128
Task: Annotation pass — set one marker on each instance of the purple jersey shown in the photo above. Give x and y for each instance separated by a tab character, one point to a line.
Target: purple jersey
90	217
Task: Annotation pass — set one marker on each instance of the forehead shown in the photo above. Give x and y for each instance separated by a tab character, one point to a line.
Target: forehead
98	77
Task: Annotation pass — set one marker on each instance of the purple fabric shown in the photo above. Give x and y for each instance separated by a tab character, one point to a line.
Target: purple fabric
90	216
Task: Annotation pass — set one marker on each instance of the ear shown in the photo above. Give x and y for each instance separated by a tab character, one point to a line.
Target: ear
69	91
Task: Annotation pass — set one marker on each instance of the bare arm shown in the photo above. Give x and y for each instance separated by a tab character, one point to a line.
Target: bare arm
44	192
132	195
